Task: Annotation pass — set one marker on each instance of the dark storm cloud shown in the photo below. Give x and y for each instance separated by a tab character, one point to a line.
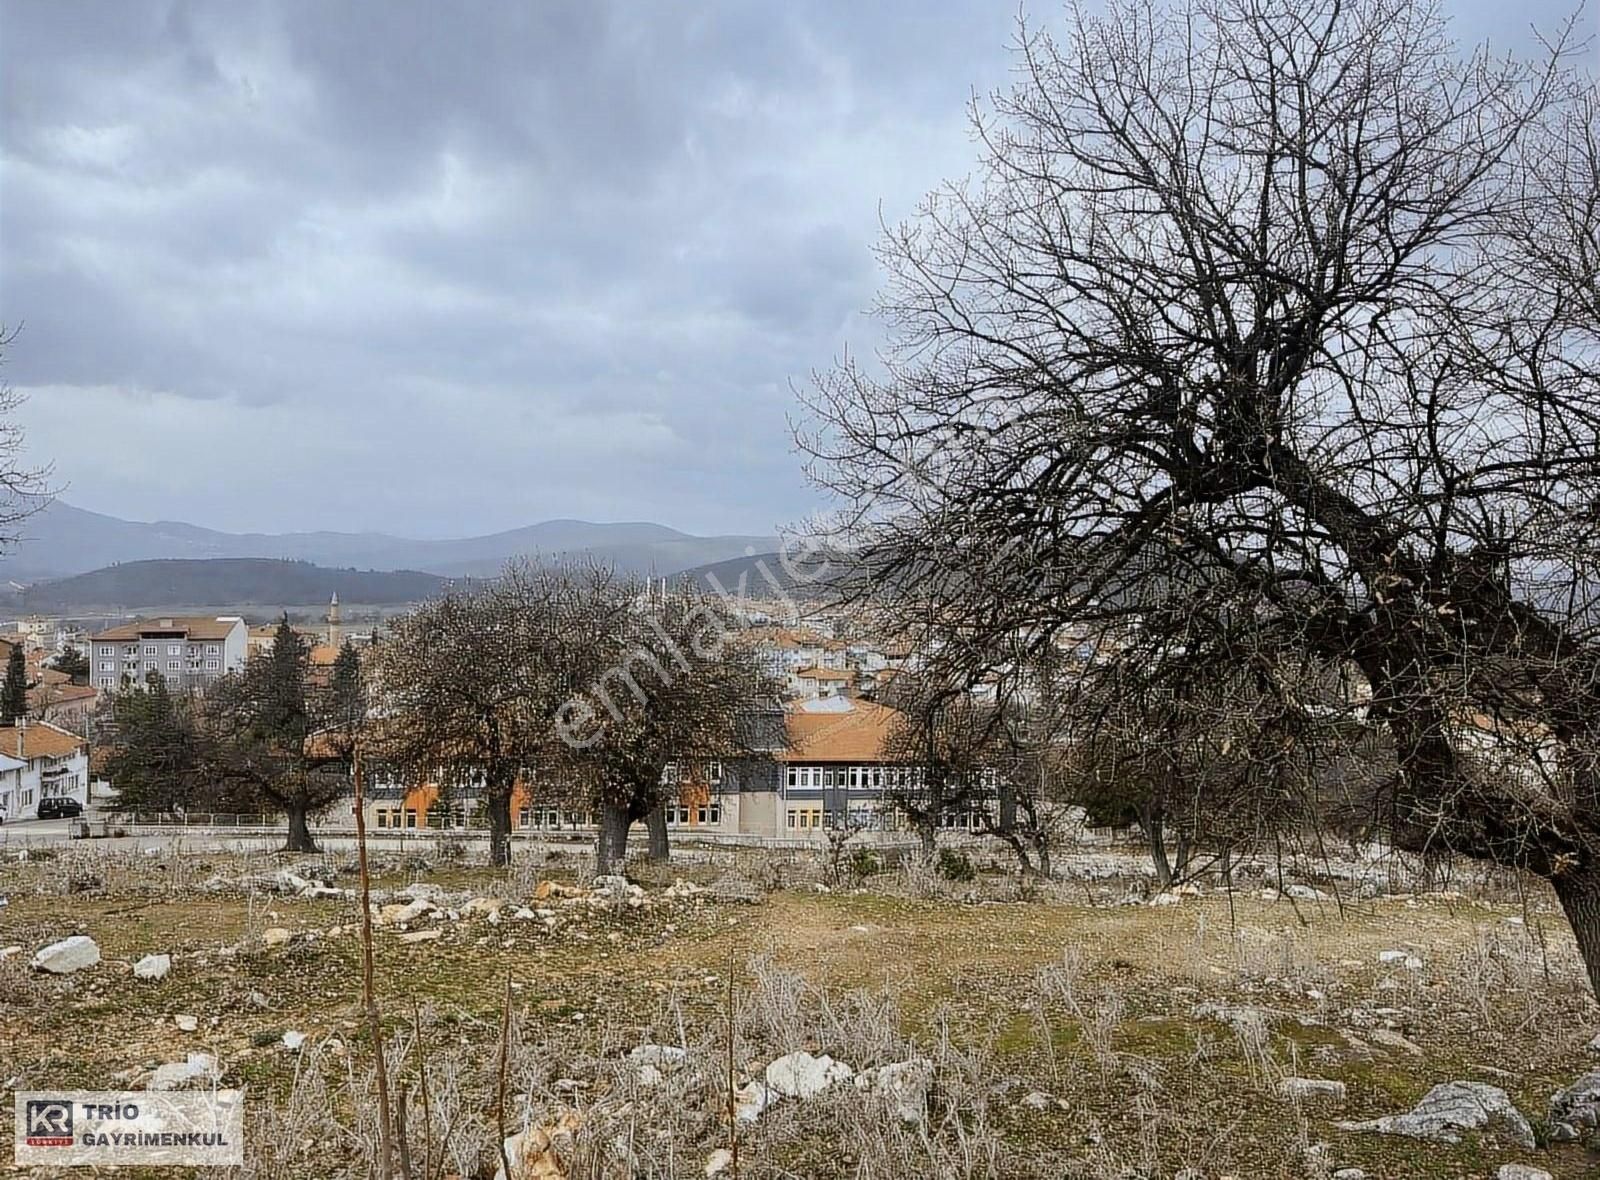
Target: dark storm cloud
448	268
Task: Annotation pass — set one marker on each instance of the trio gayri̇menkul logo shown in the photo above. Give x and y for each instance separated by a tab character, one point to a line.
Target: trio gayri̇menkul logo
117	1128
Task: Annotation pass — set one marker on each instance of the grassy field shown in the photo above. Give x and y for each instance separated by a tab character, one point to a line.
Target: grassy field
1151	1039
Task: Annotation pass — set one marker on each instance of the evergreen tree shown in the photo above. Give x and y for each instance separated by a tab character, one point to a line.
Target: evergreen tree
74	664
14	694
271	738
155	758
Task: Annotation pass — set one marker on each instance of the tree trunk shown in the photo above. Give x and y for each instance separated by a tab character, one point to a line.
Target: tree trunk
1579	894
1041	849
499	812
299	838
1155	835
611	841
925	833
658	849
1008	807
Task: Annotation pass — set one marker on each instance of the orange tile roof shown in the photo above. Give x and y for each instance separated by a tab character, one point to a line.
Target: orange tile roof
853	731
194	626
38	740
323	654
823	674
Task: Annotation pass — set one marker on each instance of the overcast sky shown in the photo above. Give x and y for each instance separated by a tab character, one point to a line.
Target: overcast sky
442	269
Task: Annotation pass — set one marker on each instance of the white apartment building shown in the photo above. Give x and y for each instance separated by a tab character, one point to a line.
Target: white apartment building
39	761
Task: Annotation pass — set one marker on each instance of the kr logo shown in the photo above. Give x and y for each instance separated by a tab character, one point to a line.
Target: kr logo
49	1123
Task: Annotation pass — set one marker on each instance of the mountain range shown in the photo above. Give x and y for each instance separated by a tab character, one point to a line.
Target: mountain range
61	540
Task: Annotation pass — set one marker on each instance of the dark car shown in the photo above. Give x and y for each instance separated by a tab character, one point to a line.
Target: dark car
59	807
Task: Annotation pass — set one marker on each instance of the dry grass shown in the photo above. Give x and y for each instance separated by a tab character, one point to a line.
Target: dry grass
1159	1034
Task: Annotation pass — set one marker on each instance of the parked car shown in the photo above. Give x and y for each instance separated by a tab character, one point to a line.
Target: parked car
59	807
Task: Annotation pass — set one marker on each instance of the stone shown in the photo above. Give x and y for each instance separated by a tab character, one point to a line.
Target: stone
421	935
152	967
665	1058
7	952
1390	1039
275	936
1392	956
1349	1174
800	1075
749	1102
483	907
648	1076
719	1161
1451	1108
1521	1172
1413	963
1575	1110
70	954
421	891
258	1000
534	1153
1305	893
292	1040
186	1023
1305	1089
176	1075
902	1085
400	915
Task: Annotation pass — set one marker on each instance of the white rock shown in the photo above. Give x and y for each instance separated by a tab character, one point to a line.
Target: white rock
421	890
275	936
1303	1089
649	1076
152	967
800	1075
68	955
750	1101
399	915
480	907
1452	1107
719	1161
1392	956
663	1057
292	1040
1037	1100
186	1023
1522	1172
903	1085
1349	1174
1305	893
175	1075
1413	963
421	935
7	952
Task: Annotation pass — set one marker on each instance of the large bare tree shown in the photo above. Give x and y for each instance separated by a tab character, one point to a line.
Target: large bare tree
1282	314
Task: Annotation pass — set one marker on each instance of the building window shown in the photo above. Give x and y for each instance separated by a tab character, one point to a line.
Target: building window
714	771
149	649
173	665
212	649
791	776
524	817
174	649
105	682
411	817
212	665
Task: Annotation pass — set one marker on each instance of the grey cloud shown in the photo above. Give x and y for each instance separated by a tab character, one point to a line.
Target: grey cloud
462	266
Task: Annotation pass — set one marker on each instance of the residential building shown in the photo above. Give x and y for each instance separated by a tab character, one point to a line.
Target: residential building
38	761
54	698
189	652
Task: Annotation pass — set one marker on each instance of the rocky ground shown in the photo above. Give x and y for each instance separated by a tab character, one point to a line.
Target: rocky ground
1304	1026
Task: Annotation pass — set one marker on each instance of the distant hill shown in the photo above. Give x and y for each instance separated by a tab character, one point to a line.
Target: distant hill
61	540
224	582
765	575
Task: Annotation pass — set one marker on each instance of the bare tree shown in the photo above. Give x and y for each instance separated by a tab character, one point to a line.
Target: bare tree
674	692
1279	314
24	489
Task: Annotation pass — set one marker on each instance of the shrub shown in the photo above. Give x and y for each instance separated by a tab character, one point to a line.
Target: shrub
955	865
865	863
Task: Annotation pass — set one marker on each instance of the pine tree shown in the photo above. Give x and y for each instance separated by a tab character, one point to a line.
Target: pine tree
154	761
14	695
73	663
